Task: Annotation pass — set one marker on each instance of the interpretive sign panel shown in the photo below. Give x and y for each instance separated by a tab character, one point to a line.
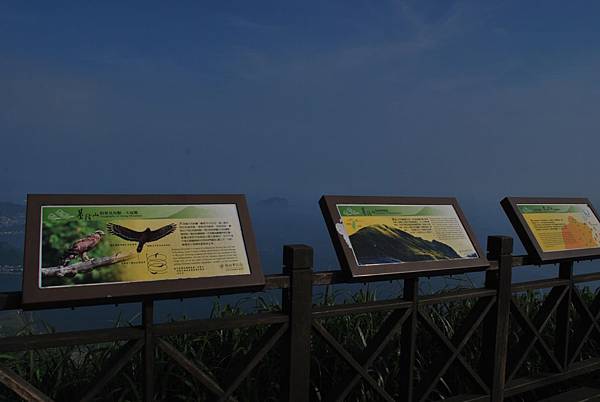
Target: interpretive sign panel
554	229
82	247
400	235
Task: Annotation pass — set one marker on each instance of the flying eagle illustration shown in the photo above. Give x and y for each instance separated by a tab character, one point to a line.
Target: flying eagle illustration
82	246
142	238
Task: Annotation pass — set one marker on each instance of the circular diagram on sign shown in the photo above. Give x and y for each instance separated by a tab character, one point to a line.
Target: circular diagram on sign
157	263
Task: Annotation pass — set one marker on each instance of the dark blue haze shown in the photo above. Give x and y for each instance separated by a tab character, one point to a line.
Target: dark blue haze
471	99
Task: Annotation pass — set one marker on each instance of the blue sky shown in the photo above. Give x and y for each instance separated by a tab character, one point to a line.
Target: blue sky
471	99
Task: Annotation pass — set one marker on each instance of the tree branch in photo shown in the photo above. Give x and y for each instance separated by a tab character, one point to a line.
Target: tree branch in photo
85	266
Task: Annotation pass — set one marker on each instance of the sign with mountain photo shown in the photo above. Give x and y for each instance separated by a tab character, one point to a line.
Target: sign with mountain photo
399	235
91	246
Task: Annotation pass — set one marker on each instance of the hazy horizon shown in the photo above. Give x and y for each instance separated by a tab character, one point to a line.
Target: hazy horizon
465	99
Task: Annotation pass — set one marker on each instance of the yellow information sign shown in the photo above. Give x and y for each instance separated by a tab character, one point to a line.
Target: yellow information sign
388	234
95	244
562	227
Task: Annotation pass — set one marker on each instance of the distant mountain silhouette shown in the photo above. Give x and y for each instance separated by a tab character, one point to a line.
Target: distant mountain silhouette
379	244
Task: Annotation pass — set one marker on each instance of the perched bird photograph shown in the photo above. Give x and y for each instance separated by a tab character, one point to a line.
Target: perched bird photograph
80	247
141	238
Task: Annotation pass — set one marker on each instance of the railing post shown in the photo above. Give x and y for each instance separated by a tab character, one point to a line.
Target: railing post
297	302
496	325
408	338
563	324
148	356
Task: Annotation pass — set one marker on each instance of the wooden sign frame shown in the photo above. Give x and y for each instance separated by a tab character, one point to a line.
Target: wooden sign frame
531	244
349	261
35	295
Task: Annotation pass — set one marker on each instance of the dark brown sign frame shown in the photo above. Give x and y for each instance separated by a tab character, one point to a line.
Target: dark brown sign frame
402	270
533	248
37	297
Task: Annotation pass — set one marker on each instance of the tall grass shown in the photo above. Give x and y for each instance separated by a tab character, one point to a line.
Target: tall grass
67	373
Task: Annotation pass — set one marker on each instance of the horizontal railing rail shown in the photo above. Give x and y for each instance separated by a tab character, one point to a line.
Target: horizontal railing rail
300	323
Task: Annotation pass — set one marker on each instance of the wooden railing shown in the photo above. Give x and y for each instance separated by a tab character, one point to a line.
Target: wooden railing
300	324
